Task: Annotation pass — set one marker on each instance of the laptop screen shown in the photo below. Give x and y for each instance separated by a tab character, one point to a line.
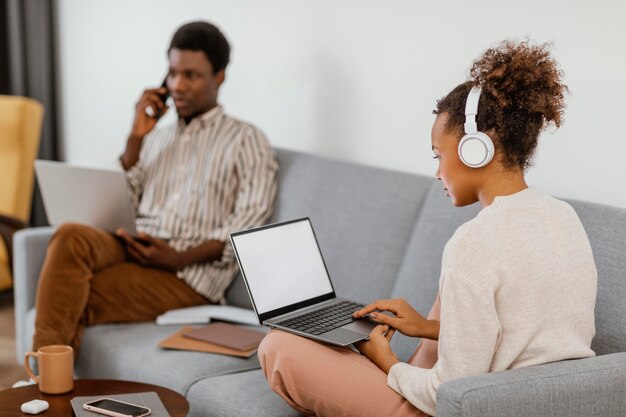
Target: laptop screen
282	265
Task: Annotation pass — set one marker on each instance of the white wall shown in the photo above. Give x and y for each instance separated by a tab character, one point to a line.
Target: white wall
355	80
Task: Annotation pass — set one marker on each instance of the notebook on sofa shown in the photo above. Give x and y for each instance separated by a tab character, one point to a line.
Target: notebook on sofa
227	335
177	341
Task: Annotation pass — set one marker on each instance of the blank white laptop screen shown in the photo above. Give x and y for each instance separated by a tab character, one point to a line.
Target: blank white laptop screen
282	265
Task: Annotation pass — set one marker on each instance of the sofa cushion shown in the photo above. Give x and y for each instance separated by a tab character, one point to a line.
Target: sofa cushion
418	277
362	217
243	394
131	352
606	229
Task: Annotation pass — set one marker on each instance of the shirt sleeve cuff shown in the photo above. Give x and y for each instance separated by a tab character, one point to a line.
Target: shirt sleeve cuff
228	257
133	174
220	234
228	254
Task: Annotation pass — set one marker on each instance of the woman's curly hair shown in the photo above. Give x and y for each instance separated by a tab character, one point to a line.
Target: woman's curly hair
522	93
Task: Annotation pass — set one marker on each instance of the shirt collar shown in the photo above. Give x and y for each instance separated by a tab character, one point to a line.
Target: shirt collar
205	118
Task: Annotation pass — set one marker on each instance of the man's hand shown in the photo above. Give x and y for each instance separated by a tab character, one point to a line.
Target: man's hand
150	251
144	123
406	320
377	349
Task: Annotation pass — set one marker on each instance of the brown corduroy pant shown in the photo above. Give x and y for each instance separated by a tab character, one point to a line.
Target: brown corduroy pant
87	279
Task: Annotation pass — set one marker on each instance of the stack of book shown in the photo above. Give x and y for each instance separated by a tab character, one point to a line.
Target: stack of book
222	338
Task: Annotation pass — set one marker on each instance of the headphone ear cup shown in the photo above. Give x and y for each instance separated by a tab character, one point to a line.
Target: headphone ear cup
476	150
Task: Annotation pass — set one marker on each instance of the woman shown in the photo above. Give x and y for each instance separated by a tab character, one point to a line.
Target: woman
518	282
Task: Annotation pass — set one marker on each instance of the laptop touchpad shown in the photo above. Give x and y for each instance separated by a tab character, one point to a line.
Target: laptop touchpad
343	336
362	326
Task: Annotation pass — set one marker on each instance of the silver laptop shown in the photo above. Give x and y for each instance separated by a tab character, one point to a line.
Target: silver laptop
95	197
288	283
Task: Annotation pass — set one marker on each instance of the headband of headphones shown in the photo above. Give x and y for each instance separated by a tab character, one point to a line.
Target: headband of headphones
471	110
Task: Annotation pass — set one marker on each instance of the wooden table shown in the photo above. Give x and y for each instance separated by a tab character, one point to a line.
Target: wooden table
11	399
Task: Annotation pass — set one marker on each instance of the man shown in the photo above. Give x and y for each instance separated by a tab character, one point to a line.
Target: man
192	184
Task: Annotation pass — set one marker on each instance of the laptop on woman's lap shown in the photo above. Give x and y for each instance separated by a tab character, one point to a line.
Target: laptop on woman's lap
289	285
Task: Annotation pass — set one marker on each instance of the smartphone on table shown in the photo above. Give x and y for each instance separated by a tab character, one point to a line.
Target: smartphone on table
116	408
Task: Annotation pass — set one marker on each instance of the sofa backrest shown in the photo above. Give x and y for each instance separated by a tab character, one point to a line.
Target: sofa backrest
362	216
606	229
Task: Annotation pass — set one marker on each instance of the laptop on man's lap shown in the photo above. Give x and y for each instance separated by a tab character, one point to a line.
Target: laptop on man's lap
289	285
91	196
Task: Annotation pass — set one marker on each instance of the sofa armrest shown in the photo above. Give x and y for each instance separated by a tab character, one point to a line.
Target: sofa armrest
29	251
584	387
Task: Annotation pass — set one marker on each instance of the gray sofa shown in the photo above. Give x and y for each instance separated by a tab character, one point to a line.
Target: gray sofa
382	234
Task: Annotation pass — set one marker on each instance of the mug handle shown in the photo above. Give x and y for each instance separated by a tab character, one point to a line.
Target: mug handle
27	364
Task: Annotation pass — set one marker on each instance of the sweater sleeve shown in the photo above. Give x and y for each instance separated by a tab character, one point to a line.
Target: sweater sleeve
469	336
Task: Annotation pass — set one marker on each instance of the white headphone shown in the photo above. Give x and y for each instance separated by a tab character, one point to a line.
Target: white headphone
476	148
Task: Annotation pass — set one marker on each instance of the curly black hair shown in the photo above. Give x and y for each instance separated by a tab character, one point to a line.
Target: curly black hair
205	37
522	93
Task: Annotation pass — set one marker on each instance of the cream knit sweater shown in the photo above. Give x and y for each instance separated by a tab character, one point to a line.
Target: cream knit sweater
518	288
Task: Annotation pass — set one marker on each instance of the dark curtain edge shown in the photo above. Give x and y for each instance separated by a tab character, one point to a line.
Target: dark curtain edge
30	70
4	49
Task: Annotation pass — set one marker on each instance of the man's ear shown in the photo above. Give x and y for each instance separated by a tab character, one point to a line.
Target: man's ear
220	77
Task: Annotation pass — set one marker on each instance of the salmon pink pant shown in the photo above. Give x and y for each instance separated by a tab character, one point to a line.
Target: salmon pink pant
327	381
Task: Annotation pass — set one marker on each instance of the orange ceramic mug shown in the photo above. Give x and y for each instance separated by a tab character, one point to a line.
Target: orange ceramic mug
56	368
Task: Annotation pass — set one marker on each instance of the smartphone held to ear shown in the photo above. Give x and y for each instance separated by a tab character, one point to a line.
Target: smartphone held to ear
116	408
156	114
163	97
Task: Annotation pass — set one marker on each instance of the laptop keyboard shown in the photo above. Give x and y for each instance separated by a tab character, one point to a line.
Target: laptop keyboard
324	319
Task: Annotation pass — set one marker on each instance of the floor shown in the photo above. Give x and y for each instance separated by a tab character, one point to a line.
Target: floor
10	371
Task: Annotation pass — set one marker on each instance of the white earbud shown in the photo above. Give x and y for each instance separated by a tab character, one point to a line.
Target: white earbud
475	148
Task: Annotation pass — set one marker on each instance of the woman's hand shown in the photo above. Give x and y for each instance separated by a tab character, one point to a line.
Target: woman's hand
377	349
406	320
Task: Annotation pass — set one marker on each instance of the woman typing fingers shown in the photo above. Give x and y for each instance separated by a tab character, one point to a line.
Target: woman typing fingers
405	318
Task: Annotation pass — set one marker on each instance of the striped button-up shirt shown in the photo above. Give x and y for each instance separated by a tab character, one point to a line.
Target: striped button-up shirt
200	182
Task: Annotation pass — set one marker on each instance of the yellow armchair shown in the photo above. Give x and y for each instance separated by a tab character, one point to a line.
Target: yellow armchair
20	132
